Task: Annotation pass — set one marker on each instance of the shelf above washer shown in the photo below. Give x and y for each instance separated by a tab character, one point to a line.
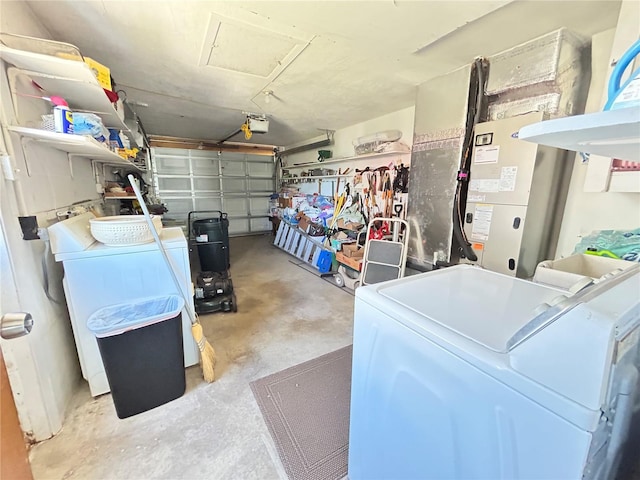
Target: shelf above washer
613	133
74	144
70	78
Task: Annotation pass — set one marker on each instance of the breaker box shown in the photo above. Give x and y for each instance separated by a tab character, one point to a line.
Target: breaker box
515	199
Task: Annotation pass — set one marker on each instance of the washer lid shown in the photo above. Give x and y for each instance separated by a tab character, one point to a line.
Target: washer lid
483	306
171	238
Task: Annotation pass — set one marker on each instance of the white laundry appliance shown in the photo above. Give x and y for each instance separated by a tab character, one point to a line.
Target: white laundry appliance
464	373
97	275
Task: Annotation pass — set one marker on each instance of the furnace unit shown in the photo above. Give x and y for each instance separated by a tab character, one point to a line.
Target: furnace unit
515	197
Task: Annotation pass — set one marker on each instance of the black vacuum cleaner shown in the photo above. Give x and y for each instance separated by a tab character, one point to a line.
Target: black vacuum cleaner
210	238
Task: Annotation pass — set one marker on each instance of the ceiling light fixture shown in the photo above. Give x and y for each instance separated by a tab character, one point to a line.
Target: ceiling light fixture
267	95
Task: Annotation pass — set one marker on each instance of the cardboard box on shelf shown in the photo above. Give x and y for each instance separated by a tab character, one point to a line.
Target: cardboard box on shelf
355	263
102	73
351	250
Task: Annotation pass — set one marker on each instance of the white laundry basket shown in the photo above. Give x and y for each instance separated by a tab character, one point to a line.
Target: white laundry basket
121	230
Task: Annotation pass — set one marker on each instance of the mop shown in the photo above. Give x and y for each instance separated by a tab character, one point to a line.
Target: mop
207	354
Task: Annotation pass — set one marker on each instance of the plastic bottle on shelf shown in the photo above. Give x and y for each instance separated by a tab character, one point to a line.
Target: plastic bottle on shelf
125	140
62	116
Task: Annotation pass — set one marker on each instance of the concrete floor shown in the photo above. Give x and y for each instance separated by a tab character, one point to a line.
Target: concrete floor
215	431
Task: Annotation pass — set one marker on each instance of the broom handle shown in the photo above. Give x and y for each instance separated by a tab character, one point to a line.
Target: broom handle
156	237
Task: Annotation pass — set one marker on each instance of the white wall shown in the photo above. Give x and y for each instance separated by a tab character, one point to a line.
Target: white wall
584	211
589	211
43	366
343	147
17	17
399	120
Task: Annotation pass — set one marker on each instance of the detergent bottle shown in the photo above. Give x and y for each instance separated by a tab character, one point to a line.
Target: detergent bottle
627	95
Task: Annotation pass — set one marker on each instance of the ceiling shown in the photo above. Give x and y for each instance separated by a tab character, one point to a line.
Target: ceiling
191	68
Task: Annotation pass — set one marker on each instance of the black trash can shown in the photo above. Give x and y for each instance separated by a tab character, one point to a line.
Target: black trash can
212	238
142	351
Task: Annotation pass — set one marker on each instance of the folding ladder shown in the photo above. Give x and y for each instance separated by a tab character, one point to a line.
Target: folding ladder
299	244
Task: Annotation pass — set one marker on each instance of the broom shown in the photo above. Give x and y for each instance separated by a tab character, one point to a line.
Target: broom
207	354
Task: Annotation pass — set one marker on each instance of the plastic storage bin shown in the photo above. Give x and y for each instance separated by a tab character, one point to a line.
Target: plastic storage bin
577	271
141	348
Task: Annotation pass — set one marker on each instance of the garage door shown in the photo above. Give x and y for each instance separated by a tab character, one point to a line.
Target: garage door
236	183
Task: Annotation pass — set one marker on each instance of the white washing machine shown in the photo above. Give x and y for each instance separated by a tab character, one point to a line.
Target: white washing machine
465	373
96	275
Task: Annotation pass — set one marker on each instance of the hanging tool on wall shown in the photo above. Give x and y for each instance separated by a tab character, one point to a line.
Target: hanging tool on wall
401	181
397	208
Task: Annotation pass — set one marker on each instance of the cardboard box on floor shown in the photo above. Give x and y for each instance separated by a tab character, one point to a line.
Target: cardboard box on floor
355	263
351	250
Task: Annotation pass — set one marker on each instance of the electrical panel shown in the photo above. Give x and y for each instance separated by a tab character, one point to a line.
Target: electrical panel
515	197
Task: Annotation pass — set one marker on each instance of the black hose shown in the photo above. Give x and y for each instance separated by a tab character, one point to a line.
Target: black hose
474	112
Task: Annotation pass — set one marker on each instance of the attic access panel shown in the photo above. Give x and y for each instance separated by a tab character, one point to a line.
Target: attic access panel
243	48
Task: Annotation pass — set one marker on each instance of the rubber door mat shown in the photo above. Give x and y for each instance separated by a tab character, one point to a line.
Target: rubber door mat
306	409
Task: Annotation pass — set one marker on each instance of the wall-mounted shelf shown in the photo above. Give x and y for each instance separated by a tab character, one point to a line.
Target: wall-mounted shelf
613	134
369	156
313	178
69	78
74	144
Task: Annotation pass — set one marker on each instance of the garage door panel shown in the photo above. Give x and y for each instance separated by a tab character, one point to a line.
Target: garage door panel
179	184
234	185
199	180
172	165
260	169
236	206
260	185
233	156
260	224
250	157
204	203
234	169
205	166
237	226
177	205
206	184
259	206
170	152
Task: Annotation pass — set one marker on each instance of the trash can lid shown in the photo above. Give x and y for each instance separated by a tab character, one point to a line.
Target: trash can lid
117	319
